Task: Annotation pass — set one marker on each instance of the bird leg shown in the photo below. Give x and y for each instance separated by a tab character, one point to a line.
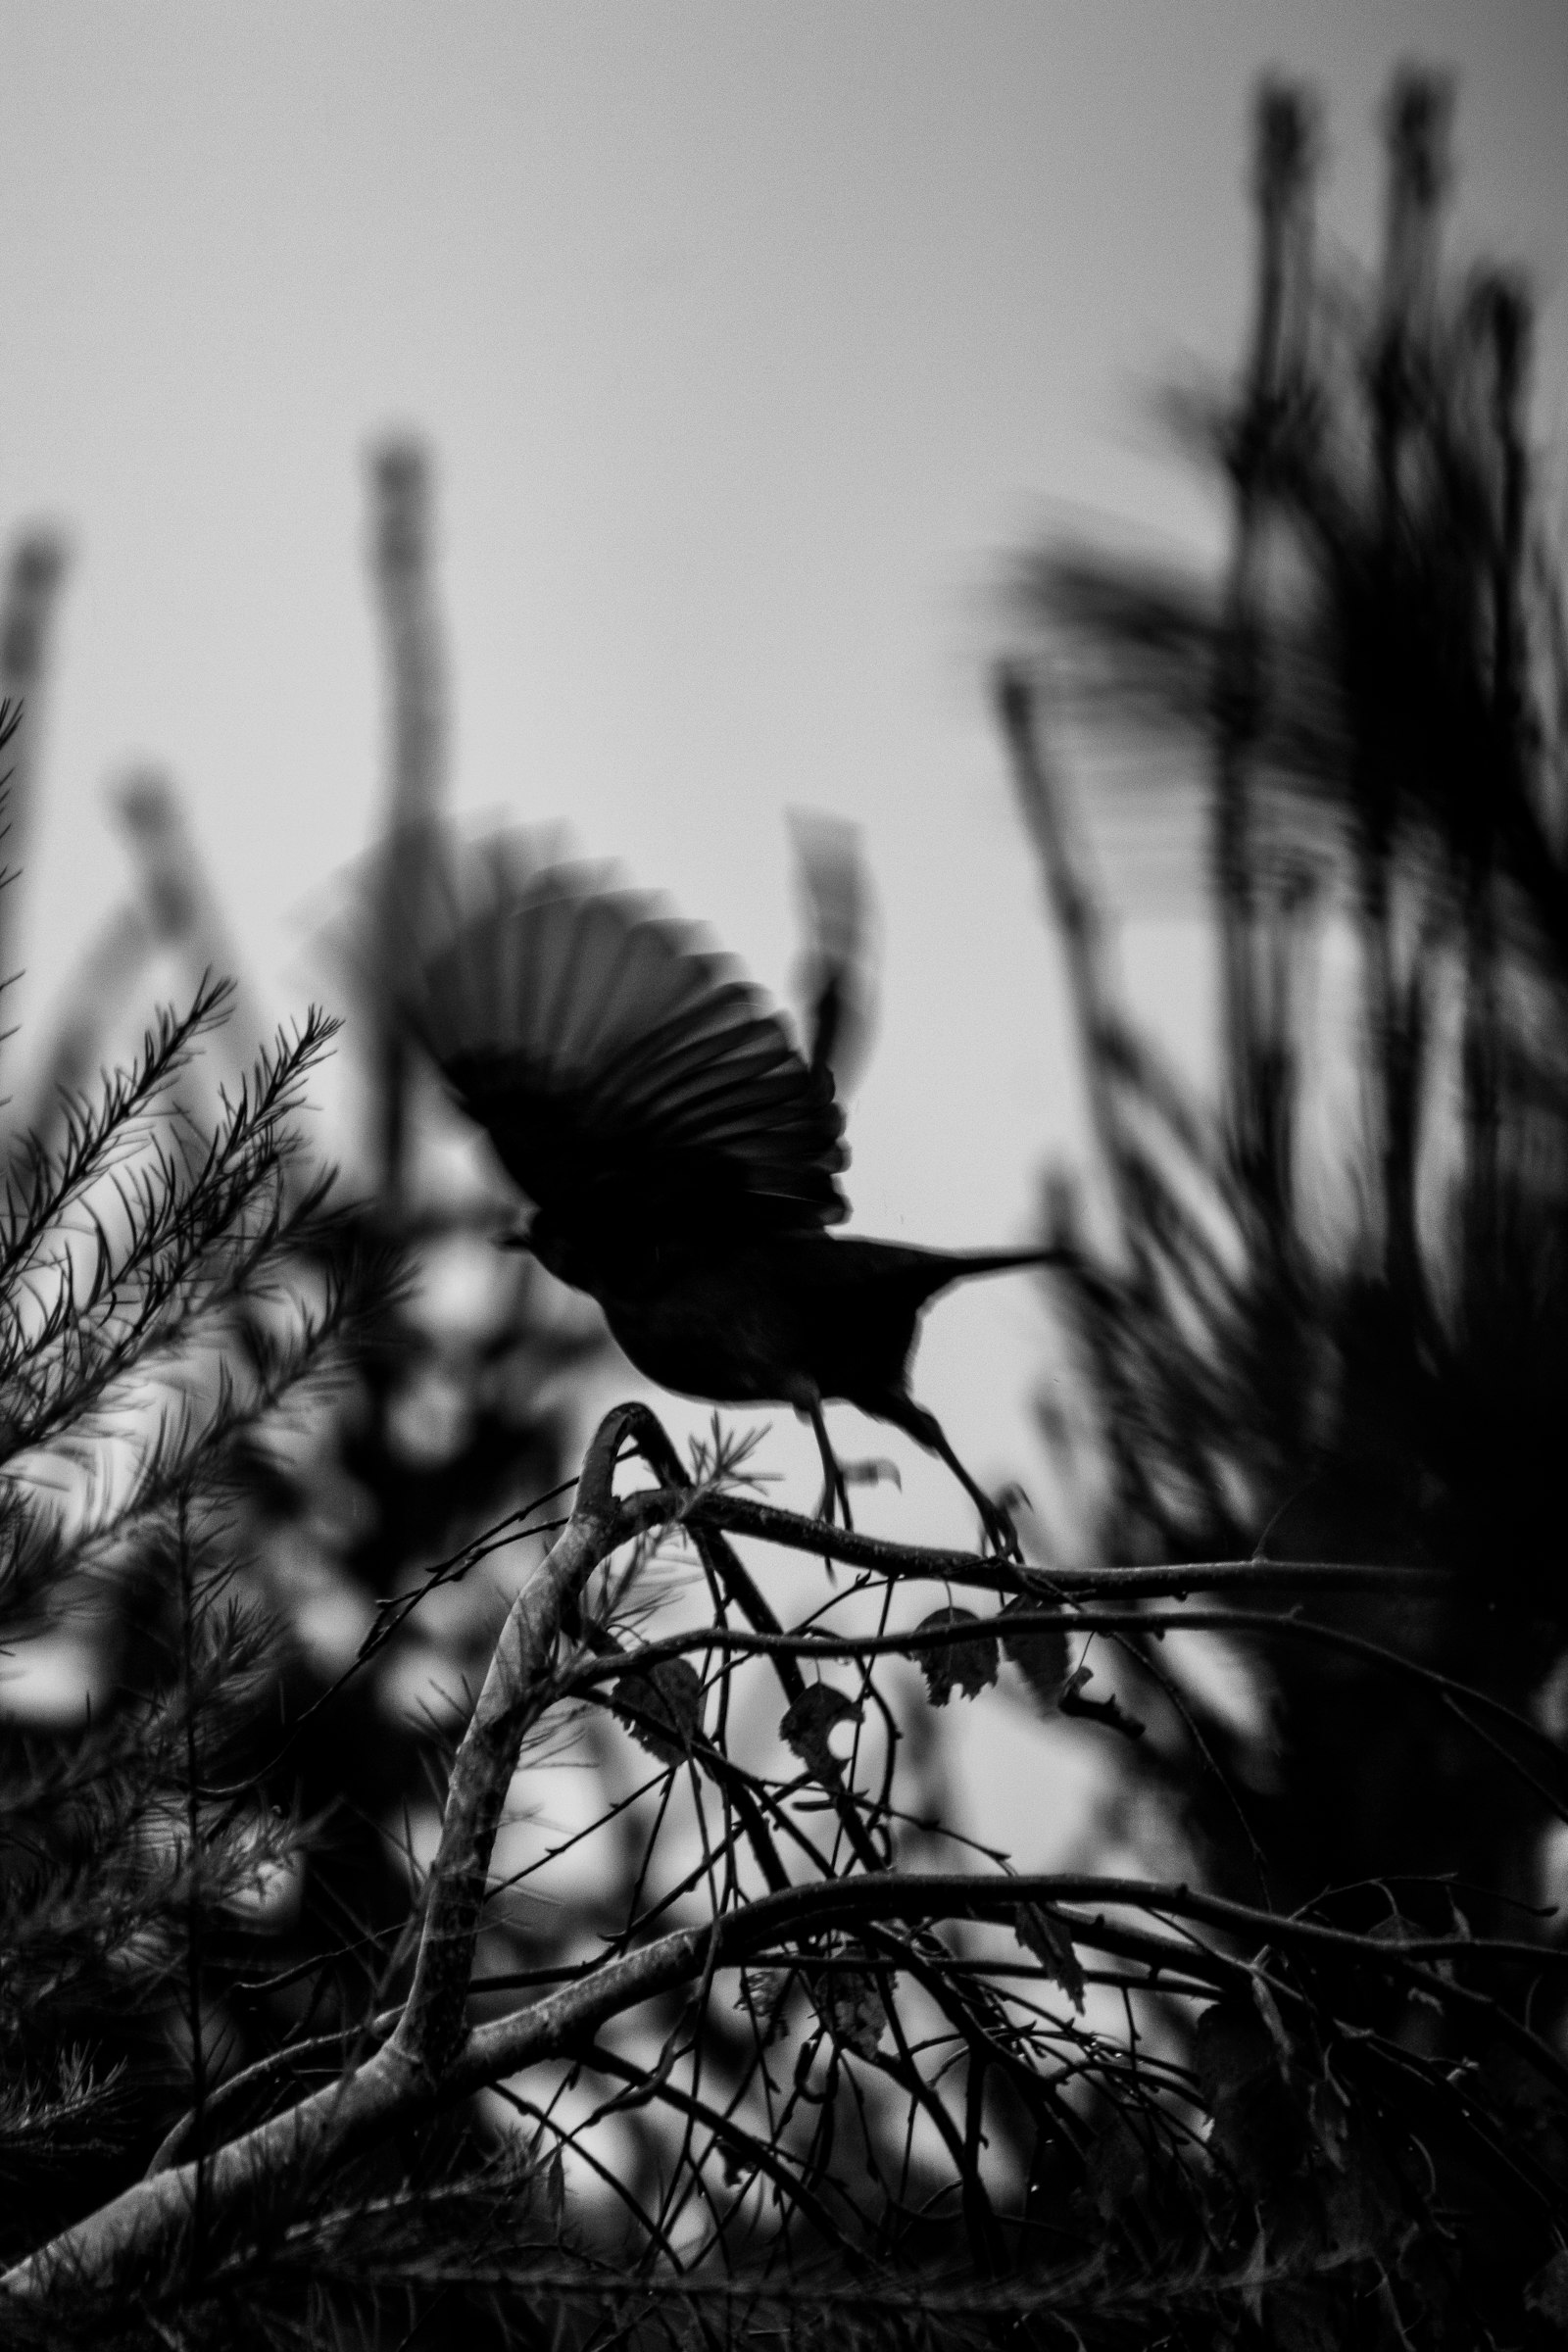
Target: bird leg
835	1486
807	1403
927	1431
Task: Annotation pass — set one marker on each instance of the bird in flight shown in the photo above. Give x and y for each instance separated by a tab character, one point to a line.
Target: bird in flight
682	1152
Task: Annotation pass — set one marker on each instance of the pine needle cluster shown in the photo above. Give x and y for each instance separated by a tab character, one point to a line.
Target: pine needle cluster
153	1317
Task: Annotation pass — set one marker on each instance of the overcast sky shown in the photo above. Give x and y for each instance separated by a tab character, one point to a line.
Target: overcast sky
752	340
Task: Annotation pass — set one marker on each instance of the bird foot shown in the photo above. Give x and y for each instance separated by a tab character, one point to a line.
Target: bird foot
846	1475
871	1473
999	1531
835	1492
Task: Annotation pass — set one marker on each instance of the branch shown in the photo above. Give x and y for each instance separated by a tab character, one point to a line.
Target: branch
413	2073
740	1515
515	1691
391	2090
434	2060
823	1647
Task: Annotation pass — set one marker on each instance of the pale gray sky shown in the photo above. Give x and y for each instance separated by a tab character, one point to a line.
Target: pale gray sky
749	338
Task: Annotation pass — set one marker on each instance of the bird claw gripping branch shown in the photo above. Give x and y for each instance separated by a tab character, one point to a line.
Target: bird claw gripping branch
681	1155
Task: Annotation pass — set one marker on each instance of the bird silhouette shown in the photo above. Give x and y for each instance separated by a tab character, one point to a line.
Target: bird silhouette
682	1152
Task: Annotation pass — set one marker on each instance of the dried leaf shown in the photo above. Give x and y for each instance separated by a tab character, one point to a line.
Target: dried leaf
1231	2048
967	1662
762	1998
1040	1654
808	1720
661	1707
852	2008
1041	1932
1396	1929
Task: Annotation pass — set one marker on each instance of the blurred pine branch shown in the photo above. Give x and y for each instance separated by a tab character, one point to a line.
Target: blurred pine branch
1332	1316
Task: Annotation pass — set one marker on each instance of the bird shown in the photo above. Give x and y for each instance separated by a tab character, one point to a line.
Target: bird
680	1151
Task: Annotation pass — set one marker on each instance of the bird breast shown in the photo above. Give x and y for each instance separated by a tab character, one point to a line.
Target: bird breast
765	1321
712	1326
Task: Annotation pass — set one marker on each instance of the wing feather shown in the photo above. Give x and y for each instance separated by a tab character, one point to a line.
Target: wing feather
623	1068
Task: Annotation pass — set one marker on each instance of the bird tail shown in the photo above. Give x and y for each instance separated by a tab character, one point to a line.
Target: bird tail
919	1274
962	1264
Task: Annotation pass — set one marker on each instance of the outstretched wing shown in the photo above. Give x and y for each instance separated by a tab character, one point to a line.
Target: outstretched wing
628	1076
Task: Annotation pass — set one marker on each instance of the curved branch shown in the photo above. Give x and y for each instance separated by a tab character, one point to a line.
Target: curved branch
515	1692
391	2090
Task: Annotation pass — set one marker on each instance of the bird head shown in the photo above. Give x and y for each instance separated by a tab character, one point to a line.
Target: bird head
544	1239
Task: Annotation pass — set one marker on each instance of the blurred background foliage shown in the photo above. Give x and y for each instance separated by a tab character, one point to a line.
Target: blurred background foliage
1323	1316
445	1403
1332	1318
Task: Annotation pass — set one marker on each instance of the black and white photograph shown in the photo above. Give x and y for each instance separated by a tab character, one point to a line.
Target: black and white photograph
784	1176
